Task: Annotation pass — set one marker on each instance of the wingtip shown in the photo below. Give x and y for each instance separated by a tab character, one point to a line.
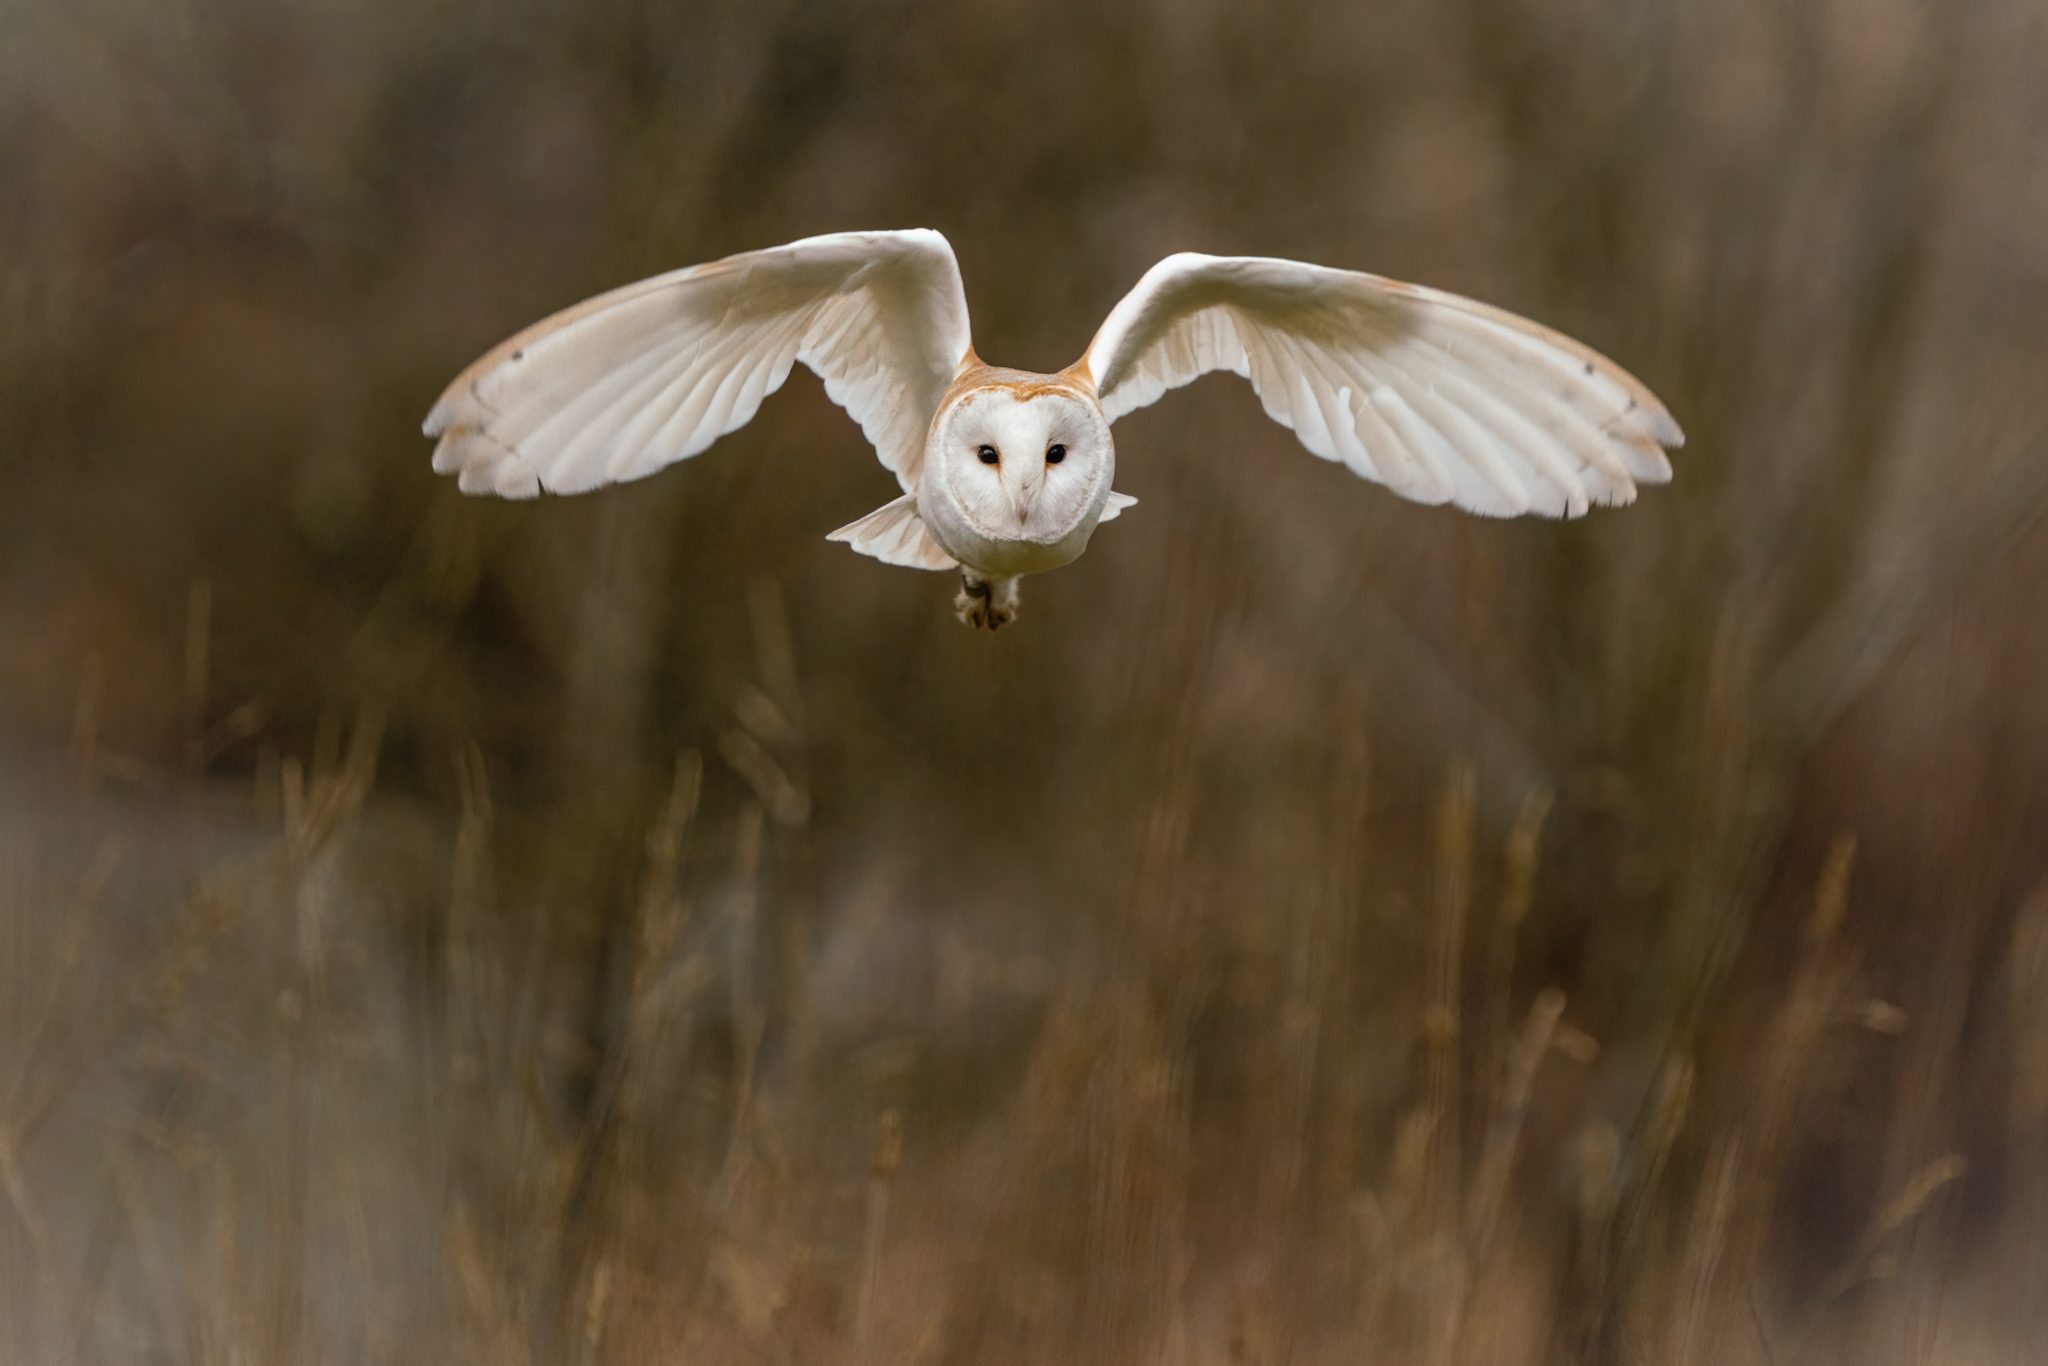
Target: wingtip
448	454
1609	493
482	471
450	411
1669	434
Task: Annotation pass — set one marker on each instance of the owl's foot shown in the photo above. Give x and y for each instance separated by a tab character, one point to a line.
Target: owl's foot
986	602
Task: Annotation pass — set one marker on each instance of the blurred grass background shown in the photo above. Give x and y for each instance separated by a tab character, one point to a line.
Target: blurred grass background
629	928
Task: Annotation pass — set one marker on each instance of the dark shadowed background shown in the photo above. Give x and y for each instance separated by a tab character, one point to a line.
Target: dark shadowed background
629	928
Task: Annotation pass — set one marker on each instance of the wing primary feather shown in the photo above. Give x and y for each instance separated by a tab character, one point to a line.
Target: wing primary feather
1512	435
1579	428
1451	436
1329	366
678	436
594	422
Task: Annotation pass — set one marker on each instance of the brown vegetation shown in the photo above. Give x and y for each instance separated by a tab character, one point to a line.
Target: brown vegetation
629	928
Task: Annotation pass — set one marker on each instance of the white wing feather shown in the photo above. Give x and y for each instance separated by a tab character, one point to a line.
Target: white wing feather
617	387
1439	398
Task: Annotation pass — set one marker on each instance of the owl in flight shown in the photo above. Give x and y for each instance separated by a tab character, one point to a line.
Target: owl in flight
1008	472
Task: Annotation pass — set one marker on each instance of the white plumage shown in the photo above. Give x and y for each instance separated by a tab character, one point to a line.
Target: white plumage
1007	472
619	386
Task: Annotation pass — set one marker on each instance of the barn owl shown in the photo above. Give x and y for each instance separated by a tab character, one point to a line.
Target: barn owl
1006	473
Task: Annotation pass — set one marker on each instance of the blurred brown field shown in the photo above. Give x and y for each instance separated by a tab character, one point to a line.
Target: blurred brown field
629	928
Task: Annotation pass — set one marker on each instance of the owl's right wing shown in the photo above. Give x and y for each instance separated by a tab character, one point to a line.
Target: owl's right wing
617	387
1440	398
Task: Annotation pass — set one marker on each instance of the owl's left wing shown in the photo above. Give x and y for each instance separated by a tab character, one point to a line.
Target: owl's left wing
1439	398
615	388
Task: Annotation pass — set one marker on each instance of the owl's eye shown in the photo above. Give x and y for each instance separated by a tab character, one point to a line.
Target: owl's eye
1055	453
988	455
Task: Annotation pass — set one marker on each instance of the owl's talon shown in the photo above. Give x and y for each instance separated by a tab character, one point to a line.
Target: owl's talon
984	603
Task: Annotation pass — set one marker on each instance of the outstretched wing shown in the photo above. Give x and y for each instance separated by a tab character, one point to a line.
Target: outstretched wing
619	386
1437	397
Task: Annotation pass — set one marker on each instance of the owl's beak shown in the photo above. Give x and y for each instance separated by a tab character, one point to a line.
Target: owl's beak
1022	497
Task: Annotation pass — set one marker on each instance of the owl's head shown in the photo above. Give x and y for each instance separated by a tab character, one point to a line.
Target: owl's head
1025	460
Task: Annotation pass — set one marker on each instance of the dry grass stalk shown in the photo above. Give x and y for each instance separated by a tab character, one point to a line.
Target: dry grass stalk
1873	1259
1443	1261
627	1144
1504	1133
1443	1020
84	748
1522	857
2027	1110
1699	1312
198	667
1586	1283
887	1156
